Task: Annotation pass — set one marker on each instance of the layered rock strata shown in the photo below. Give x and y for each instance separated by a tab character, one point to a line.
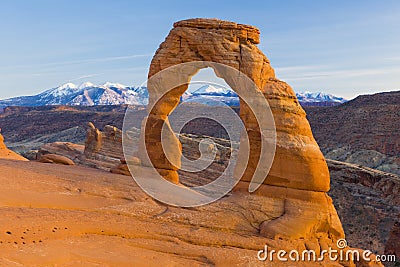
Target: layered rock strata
103	148
299	176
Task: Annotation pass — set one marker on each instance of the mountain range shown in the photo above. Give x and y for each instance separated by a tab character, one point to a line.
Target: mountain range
89	94
319	99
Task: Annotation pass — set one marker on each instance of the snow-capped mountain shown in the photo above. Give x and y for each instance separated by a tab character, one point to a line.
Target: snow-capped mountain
308	98
212	95
214	90
88	94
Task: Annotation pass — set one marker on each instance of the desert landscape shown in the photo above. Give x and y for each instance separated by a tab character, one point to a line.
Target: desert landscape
81	166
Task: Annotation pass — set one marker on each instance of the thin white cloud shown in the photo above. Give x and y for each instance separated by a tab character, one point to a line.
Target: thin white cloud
395	58
128	69
85	77
82	61
307	73
106	59
298	68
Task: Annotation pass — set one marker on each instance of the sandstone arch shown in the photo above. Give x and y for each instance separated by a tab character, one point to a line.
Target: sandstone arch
299	178
298	162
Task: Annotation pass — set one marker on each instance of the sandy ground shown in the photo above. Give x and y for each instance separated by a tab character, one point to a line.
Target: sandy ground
53	215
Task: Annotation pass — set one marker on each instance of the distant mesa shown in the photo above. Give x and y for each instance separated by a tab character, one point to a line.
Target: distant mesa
89	94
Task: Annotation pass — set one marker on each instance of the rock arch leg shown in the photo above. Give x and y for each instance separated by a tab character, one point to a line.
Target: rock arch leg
299	169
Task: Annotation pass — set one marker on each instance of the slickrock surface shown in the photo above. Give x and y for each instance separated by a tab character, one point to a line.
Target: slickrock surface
78	216
67	149
122	168
298	167
6	153
56	159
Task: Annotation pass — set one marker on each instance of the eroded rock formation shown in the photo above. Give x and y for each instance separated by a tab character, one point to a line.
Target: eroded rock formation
66	149
103	148
234	45
56	159
6	153
122	167
299	177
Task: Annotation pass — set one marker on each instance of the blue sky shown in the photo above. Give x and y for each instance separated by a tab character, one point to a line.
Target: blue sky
345	48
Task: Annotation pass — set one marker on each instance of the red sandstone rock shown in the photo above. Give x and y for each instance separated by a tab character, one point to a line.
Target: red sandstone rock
57	159
299	176
6	153
103	149
234	45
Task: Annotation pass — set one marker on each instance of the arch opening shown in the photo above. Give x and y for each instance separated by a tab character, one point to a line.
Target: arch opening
165	147
230	49
206	139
